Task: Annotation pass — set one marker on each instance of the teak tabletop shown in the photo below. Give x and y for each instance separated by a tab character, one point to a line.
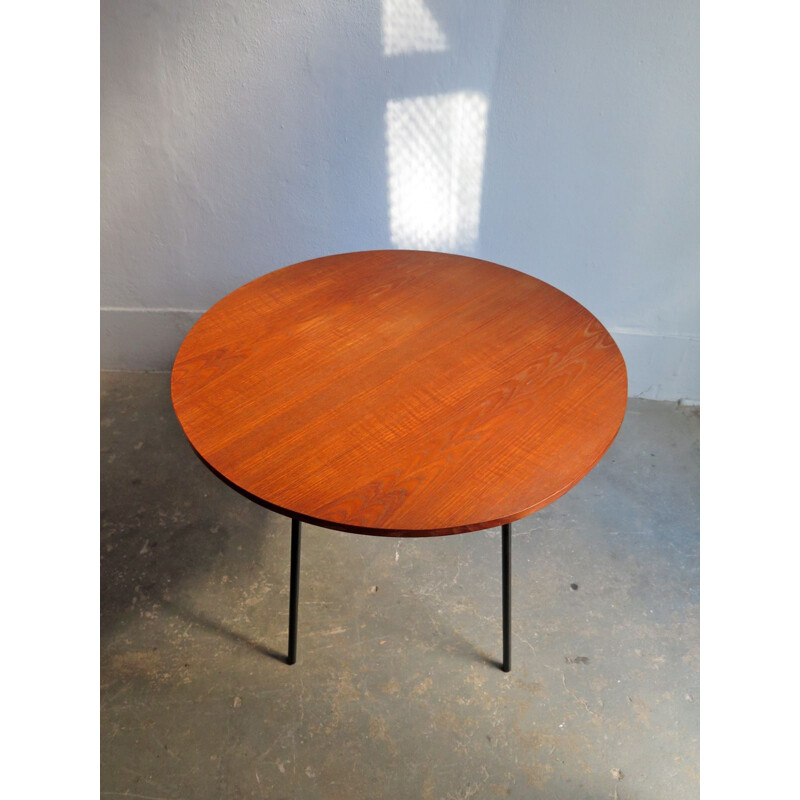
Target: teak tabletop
400	393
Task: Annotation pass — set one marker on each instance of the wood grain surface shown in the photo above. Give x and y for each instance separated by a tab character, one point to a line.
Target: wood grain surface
400	393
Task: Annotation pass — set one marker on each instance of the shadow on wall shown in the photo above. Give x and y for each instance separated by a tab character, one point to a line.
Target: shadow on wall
435	148
242	138
408	26
435	145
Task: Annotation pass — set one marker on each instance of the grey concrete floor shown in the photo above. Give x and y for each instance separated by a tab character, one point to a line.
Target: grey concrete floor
396	693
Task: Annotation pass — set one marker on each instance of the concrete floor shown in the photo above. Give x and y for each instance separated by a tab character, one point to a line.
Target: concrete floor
396	693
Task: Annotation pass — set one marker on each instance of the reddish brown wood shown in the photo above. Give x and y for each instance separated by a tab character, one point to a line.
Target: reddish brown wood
400	393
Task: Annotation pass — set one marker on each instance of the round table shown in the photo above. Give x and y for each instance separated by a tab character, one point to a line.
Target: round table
400	393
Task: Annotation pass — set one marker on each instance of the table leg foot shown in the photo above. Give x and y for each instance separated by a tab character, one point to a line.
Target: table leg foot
507	598
294	592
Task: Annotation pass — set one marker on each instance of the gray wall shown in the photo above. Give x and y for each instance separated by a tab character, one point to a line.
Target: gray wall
559	138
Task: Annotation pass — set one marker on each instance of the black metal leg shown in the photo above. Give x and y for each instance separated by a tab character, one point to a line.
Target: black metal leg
294	591
507	598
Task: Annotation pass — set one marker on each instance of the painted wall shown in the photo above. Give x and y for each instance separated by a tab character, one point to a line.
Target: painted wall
559	138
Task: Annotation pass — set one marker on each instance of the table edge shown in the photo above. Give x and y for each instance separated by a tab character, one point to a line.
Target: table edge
406	533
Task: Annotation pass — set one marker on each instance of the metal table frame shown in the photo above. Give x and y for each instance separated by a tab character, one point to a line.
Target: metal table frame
294	594
294	577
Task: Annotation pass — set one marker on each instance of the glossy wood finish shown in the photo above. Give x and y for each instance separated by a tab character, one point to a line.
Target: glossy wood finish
400	393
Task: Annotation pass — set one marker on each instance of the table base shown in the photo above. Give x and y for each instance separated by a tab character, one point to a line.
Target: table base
294	594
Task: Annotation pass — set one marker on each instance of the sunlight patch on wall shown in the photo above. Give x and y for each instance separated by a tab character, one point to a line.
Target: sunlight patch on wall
435	151
409	27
